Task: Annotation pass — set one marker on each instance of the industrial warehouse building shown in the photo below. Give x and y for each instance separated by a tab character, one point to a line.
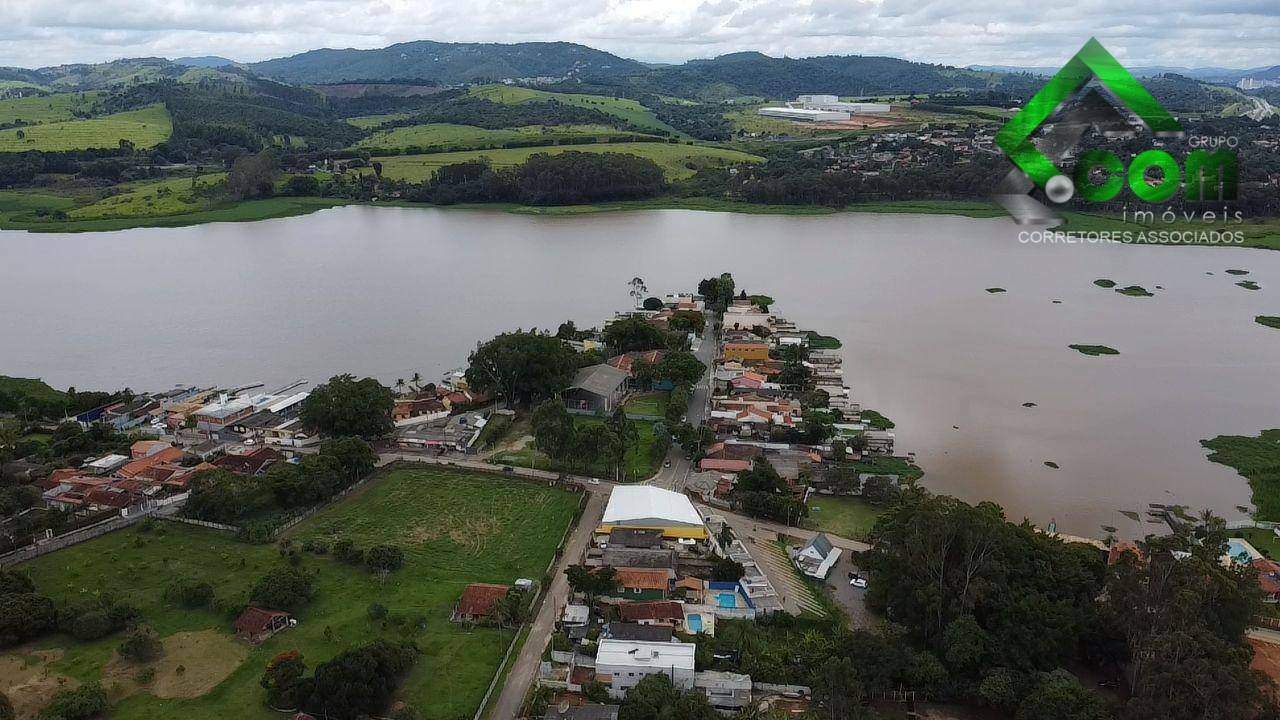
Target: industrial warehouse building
644	507
804	114
823	108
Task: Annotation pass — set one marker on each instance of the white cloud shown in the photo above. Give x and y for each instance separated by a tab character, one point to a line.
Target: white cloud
1234	33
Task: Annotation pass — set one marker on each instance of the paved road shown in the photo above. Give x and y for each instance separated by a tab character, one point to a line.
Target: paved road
700	398
524	668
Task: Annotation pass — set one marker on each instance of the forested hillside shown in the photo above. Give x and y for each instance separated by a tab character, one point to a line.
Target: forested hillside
446	62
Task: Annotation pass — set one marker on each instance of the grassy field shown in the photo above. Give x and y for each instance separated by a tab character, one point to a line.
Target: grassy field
46	108
847	517
174	196
33	212
145	127
639	463
454	527
33	388
676	160
629	110
368	122
443	137
1258	460
654	403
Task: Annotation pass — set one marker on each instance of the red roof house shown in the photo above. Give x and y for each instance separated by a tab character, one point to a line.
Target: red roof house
477	601
657	612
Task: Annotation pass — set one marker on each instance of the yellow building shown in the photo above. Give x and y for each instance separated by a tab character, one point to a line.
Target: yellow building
746	351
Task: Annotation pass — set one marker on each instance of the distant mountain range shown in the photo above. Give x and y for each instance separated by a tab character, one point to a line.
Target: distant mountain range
1208	74
568	64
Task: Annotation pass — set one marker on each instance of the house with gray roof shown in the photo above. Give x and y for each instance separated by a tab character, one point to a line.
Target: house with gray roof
596	389
817	558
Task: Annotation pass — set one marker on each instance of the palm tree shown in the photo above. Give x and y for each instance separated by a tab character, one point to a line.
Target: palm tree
417	380
638	290
399	386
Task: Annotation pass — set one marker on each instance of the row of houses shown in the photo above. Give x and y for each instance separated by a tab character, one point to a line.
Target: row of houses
153	469
661	551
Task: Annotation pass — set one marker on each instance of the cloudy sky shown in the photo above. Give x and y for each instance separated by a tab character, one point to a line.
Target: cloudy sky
1230	33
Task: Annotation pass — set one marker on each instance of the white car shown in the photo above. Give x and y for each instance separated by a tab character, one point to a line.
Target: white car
593	481
858	581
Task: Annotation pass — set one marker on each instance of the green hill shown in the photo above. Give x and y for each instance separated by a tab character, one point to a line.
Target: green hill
145	127
446	62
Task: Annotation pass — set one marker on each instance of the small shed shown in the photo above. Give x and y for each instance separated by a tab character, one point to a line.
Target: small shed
257	624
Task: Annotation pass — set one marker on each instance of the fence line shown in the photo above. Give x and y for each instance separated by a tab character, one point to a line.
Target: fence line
128	516
202	523
1259	524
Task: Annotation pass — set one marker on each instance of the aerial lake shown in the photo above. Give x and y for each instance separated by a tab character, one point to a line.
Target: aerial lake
389	291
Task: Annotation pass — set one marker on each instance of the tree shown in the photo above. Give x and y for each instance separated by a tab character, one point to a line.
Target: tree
727	570
141	646
1059	696
510	610
86	701
384	558
945	566
15	582
1183	618
302	185
522	367
24	616
345	406
595	691
357	682
652	303
838	689
638	290
717	292
591	582
553	429
633	334
283	678
284	588
224	497
656	698
254	176
681	368
189	594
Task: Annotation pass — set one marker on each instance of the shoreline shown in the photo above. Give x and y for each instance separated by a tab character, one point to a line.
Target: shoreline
1266	237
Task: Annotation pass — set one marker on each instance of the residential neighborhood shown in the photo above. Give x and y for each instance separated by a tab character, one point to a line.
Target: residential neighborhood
726	480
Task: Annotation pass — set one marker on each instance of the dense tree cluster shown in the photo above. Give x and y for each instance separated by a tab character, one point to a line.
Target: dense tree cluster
599	445
761	492
521	367
350	407
717	292
285	588
358	682
24	614
224	497
565	178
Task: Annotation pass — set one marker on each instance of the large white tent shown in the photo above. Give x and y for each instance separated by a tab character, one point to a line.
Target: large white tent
648	507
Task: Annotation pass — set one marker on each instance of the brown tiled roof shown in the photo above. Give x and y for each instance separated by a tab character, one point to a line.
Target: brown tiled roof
1268	575
656	610
255	620
643	579
478	598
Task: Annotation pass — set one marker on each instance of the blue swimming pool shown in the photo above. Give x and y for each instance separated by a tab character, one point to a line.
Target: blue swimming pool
727	600
694	622
1238	552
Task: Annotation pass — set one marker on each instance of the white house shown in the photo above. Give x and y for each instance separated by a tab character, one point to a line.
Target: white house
818	557
623	663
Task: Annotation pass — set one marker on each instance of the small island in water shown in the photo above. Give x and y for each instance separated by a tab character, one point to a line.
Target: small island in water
1094	350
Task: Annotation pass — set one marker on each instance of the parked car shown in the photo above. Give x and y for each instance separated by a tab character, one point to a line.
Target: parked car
666	464
858	581
593	481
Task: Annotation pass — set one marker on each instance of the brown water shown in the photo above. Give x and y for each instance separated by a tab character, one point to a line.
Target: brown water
387	292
